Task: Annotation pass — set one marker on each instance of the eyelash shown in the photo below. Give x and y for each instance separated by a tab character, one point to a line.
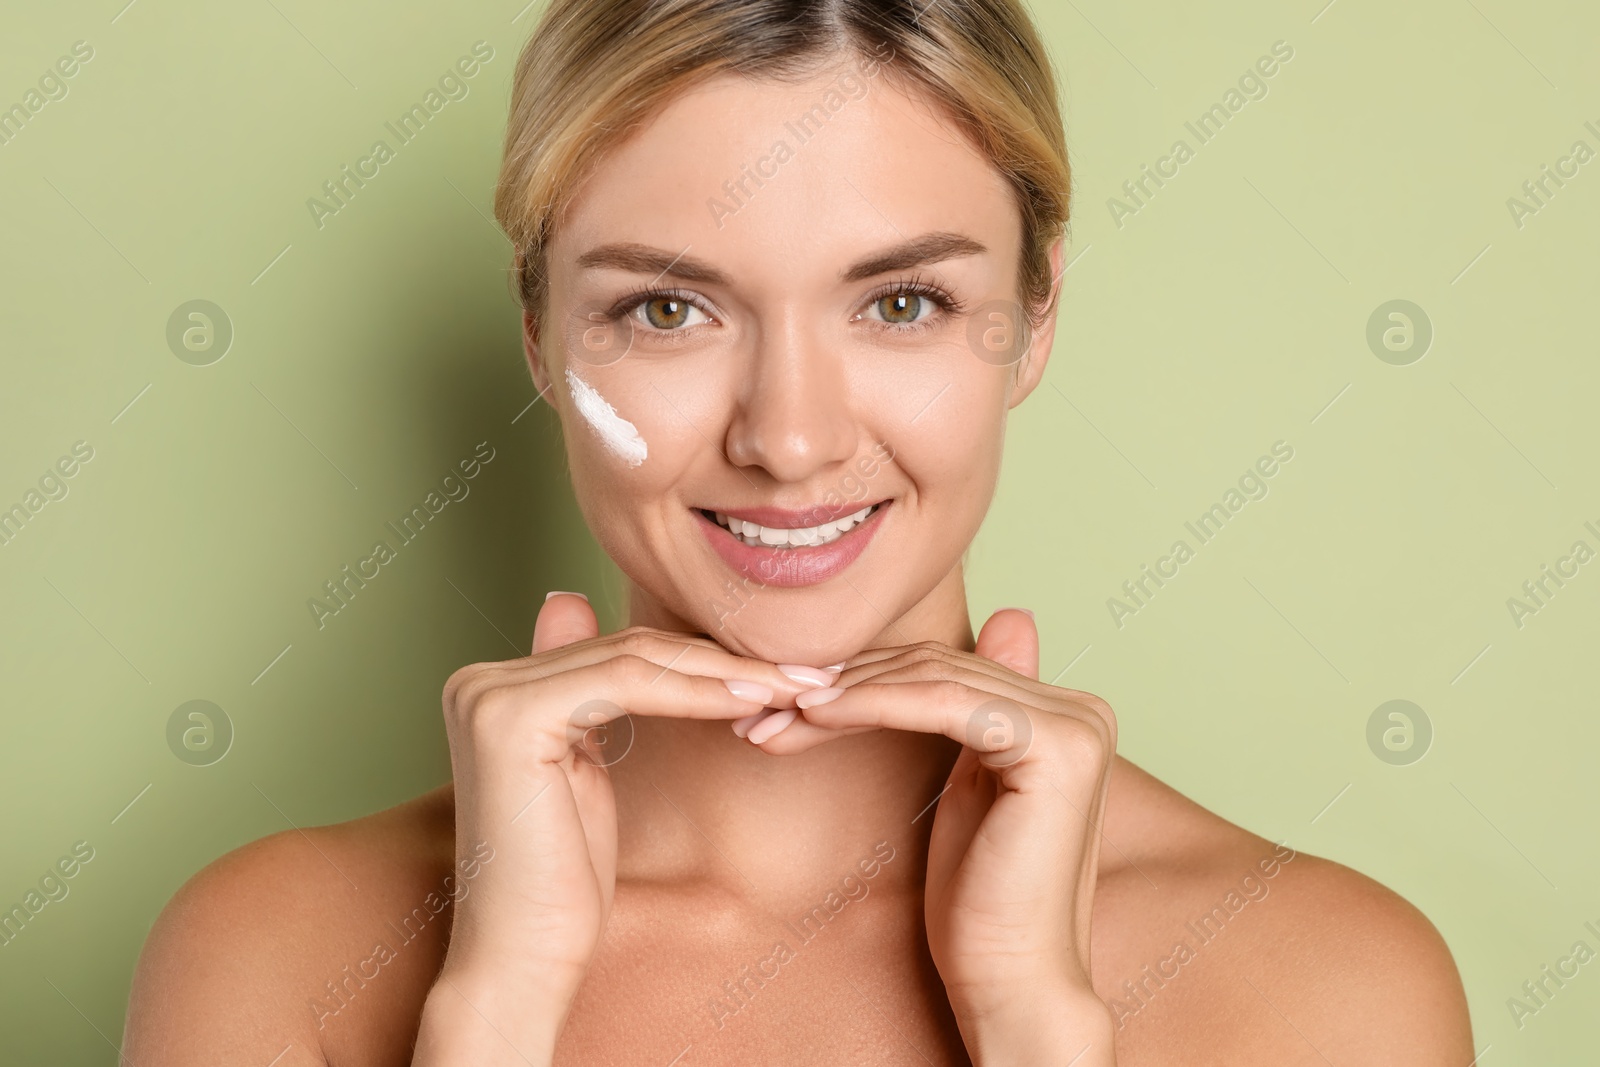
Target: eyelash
915	285
631	302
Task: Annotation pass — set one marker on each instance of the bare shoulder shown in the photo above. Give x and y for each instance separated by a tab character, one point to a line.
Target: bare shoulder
309	944
1214	945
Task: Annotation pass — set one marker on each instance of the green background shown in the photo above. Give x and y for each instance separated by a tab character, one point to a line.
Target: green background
1229	312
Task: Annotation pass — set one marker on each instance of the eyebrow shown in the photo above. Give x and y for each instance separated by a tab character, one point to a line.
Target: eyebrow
645	259
929	248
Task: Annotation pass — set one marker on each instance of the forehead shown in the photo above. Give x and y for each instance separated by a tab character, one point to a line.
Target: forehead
769	179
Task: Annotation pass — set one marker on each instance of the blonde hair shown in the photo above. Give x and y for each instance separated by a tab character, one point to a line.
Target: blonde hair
596	69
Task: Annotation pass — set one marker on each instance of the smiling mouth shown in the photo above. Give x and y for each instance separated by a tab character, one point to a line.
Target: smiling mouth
757	536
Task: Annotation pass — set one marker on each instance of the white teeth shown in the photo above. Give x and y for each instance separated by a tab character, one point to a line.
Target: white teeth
756	535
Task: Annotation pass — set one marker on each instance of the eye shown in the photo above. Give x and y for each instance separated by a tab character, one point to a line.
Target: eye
902	308
910	304
668	312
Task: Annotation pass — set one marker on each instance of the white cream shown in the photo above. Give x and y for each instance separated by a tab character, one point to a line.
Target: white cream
620	436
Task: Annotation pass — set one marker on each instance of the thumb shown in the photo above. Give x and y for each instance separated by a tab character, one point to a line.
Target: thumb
564	619
1011	639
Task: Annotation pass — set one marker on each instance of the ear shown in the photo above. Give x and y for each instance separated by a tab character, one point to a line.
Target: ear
530	349
1030	369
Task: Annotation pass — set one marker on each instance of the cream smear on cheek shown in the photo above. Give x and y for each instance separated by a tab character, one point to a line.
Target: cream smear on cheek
620	436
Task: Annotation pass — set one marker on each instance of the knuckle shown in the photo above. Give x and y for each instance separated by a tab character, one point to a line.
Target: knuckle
641	633
1088	737
490	710
463	691
1102	712
706	689
508	720
633	669
452	685
639	641
922	660
496	715
1110	721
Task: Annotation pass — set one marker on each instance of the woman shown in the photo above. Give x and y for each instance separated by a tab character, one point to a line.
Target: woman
786	265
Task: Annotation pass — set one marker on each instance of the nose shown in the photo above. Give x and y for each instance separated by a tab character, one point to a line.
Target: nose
793	418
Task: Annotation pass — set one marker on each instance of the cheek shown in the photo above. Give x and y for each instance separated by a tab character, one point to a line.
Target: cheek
945	419
954	463
631	434
614	433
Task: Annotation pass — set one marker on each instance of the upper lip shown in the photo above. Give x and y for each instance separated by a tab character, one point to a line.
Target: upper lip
796	518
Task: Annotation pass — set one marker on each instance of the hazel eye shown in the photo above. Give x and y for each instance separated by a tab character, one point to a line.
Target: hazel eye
670	313
901	308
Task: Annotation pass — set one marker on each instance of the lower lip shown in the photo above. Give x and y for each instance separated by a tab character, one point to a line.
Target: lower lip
791	568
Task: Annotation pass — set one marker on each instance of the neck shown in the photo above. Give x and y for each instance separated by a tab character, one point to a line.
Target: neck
696	804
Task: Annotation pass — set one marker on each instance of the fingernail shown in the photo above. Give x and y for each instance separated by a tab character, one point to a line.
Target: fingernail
805	675
836	668
812	697
741	727
1025	611
752	691
769	727
562	592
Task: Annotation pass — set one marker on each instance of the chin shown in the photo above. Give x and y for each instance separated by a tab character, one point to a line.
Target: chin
808	640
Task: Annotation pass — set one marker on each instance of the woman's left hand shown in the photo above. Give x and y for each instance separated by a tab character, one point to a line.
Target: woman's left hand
1016	836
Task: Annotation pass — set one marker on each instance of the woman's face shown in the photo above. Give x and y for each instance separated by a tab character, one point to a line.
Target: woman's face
787	304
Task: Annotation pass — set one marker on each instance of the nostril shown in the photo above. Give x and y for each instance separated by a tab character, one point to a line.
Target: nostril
793	421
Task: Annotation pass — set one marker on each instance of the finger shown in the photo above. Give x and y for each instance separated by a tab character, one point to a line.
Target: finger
936	657
996	700
919	706
930	648
1011	639
1001	728
951	668
666	657
564	619
537	720
802	736
683	653
968	795
630	685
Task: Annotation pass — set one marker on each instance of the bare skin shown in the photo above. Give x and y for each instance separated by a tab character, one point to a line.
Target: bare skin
598	922
248	944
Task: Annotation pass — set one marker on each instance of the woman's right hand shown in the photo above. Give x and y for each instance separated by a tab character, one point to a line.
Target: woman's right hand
527	787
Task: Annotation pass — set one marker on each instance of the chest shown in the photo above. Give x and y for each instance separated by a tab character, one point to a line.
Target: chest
681	981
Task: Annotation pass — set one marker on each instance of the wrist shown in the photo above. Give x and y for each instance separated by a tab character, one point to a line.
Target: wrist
482	1022
1037	1025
